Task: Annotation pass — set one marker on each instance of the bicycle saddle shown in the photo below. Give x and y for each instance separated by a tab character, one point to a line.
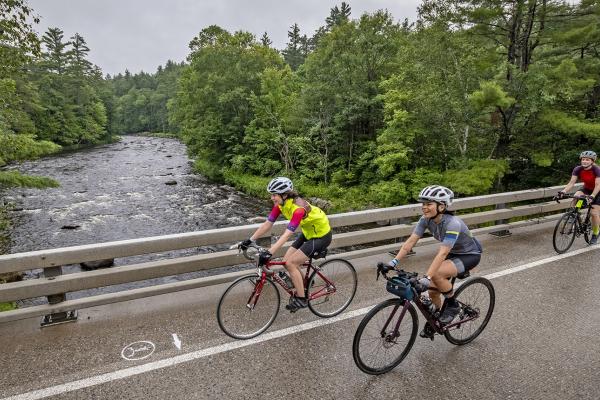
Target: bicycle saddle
319	254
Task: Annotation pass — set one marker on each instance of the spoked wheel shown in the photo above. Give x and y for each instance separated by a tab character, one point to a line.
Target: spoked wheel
564	233
247	308
378	347
477	298
587	232
331	288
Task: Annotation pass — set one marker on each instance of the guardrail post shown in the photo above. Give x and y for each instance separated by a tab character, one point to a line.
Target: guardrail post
61	317
502	232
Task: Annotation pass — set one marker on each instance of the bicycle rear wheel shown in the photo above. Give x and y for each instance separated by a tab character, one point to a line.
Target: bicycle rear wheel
245	309
564	232
331	287
377	347
476	297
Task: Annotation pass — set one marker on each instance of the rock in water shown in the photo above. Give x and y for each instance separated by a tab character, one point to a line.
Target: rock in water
98	264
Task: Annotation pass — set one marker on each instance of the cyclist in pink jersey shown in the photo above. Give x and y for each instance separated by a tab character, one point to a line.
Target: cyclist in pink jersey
588	173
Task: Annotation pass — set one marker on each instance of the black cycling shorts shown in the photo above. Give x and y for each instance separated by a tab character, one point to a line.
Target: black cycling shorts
464	262
310	247
589	192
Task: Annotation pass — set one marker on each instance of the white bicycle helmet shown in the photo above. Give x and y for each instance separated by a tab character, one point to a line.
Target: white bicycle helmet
439	194
588	154
280	185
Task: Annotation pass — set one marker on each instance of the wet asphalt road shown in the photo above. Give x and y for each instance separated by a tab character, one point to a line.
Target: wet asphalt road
541	343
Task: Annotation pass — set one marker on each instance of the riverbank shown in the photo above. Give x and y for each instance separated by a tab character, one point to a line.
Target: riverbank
332	197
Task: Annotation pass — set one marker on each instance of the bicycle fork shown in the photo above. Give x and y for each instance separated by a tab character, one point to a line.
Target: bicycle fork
391	337
258	286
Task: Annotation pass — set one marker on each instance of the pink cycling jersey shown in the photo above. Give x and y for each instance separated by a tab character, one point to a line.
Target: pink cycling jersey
294	222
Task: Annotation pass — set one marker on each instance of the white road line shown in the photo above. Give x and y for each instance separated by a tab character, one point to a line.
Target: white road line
168	362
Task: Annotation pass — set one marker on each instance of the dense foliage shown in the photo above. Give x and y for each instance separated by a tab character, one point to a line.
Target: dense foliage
481	96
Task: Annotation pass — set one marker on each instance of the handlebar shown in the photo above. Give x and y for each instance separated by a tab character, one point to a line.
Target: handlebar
557	198
244	250
383	269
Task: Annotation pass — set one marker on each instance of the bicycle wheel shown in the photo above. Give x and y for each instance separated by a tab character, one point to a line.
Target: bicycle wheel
331	287
241	313
564	232
378	348
587	230
476	297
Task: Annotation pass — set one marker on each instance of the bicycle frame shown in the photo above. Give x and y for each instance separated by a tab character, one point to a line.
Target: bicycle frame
433	322
264	271
581	225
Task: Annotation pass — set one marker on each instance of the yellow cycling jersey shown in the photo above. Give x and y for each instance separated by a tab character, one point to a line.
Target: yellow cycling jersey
314	224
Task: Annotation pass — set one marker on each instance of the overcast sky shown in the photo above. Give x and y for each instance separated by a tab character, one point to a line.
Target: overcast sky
143	34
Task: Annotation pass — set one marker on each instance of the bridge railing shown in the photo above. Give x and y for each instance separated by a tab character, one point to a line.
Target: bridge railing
55	285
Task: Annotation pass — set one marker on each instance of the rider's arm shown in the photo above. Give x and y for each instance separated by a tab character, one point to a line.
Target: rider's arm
596	187
262	230
572	183
407	246
268	224
282	239
291	228
438	260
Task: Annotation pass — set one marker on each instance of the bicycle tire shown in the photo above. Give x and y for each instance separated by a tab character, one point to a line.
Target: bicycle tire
470	298
370	332
587	231
238	320
564	232
343	276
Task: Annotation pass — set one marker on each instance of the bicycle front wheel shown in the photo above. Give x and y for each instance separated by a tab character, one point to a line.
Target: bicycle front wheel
331	287
378	346
247	308
587	230
477	299
564	232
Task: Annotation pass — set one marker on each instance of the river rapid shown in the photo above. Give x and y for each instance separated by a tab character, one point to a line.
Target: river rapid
138	187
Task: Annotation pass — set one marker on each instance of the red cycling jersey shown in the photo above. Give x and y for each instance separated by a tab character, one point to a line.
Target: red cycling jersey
587	176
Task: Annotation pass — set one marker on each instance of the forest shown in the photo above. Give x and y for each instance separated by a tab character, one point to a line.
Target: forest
481	96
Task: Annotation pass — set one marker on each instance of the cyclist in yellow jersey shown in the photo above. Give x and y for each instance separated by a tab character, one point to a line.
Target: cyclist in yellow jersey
315	237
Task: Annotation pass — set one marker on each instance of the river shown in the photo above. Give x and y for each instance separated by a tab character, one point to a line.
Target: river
137	187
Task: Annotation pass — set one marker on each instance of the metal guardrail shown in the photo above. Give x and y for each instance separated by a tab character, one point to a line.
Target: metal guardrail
57	285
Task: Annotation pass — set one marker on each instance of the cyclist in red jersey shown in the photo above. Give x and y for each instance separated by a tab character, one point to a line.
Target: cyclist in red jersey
588	173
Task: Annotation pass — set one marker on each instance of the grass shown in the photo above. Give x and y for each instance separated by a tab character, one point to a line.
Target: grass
7	306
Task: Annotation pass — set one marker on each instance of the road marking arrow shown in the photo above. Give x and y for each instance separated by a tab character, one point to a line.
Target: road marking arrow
176	341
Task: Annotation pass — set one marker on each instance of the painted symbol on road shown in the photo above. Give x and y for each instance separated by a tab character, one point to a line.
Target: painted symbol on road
138	350
176	341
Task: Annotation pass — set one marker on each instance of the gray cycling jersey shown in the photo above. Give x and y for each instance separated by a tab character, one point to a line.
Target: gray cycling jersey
452	232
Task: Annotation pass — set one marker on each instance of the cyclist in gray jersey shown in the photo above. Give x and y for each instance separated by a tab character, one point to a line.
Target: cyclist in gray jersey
459	250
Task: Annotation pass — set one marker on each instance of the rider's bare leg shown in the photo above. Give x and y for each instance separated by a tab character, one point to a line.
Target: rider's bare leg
595	218
441	282
293	260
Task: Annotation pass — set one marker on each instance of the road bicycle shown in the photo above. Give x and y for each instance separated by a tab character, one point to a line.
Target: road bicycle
572	224
251	303
387	333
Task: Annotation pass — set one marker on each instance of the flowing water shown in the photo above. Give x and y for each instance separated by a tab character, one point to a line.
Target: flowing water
138	187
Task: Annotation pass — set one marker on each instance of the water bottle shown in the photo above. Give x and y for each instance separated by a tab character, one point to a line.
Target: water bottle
286	278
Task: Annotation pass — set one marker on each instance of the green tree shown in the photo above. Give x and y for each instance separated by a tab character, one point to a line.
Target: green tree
212	104
296	49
